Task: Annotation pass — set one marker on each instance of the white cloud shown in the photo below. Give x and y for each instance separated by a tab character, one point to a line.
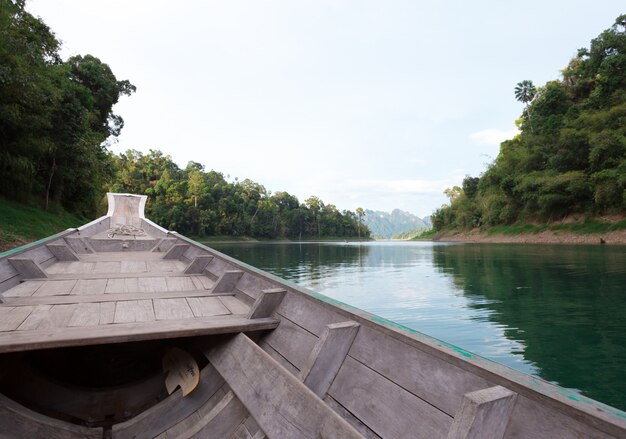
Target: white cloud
493	136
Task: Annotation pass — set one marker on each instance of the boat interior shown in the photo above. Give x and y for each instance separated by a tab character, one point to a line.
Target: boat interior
91	318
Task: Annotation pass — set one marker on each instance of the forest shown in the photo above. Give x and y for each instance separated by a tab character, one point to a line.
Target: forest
570	155
56	128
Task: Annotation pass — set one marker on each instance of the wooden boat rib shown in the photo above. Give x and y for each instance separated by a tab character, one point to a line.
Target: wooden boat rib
88	315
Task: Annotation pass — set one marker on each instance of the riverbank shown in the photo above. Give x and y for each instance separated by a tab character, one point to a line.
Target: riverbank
615	237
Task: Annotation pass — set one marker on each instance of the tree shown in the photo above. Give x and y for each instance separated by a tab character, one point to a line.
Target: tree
55	116
525	92
360	213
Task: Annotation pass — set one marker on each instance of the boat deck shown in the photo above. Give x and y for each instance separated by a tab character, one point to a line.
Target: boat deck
112	297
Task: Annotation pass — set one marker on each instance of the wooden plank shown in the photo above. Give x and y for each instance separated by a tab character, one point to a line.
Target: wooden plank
89	286
207	306
62	252
24	289
134	266
28	268
74	276
86	314
52	300
198	264
107	312
170	309
432	379
151	284
55	288
164	245
227	281
216	420
203	282
134	311
176	251
166	267
292	342
234	305
266	303
70	269
252	425
7	271
46	317
279	358
108	267
392	412
241	433
8	284
353	420
483	413
173	409
79	245
308	313
39	254
218	266
17	421
125	285
116	333
92	314
252	285
533	419
327	356
121	244
121	256
180	283
279	402
12	317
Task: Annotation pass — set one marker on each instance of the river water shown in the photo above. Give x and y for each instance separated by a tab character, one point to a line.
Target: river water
557	312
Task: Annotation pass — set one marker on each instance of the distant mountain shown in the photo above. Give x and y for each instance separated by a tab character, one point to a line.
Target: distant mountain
386	225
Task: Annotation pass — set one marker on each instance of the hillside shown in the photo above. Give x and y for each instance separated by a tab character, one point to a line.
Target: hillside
386	225
570	155
21	224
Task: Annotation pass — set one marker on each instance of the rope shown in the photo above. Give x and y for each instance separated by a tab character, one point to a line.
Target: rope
125	229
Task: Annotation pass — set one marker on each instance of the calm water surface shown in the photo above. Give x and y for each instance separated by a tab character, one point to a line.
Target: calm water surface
557	312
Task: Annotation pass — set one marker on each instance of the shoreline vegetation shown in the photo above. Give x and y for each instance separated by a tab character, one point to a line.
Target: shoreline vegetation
572	230
21	224
568	159
208	240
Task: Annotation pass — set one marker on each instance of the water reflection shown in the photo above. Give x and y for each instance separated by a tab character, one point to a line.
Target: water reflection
566	304
553	311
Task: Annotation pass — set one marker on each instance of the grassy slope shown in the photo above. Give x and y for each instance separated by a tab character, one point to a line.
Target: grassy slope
21	224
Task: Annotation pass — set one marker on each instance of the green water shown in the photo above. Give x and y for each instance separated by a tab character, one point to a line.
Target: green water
557	312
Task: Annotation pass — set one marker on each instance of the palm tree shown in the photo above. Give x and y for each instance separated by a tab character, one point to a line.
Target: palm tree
525	92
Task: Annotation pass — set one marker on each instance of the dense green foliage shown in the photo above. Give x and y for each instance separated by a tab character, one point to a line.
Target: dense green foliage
55	116
193	201
570	156
56	121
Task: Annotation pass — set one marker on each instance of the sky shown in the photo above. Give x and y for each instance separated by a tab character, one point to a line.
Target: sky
373	104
